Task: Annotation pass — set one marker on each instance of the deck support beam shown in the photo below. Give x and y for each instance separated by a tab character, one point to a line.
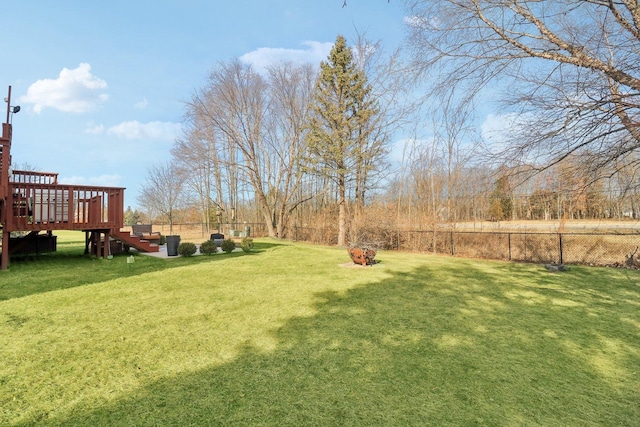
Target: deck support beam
5	162
4	262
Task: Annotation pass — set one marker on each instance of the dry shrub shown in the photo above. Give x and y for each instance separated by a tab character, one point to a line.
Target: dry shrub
319	228
375	228
485	245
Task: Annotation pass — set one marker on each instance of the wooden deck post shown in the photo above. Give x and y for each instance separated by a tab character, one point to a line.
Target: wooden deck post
5	158
4	262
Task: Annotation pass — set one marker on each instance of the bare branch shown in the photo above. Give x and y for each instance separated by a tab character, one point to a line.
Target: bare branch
571	69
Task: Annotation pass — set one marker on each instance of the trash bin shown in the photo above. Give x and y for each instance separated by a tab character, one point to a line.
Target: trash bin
247	231
217	238
172	245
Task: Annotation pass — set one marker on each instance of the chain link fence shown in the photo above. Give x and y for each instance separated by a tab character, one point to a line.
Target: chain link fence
198	231
561	248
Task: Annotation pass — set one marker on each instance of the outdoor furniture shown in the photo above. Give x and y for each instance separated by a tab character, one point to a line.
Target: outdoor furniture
145	232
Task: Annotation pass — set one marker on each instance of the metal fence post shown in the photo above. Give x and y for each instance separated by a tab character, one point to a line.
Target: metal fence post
452	249
509	244
560	246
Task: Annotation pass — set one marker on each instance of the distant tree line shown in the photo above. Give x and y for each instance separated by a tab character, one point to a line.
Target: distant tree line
300	145
261	146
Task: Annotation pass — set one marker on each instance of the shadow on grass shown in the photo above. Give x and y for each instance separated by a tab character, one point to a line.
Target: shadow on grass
415	349
28	275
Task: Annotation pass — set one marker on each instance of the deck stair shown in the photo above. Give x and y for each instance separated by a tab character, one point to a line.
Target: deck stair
134	241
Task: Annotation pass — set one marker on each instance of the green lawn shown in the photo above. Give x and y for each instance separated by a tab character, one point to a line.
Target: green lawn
286	336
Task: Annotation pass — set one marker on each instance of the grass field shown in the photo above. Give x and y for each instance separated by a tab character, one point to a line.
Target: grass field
288	336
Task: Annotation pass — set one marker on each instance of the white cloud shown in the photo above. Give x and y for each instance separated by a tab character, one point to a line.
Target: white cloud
101	181
264	57
403	151
152	130
94	128
142	104
421	23
400	150
495	127
499	131
74	91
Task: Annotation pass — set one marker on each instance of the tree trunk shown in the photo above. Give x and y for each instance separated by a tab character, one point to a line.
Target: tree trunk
266	212
342	215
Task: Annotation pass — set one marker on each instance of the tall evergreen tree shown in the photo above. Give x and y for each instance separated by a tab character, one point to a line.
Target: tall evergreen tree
132	216
501	203
341	129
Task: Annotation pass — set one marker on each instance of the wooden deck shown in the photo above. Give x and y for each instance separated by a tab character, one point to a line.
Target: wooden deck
34	201
52	206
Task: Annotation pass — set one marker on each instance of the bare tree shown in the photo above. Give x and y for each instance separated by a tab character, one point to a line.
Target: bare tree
196	153
390	86
291	88
254	125
162	191
234	103
454	137
626	194
571	68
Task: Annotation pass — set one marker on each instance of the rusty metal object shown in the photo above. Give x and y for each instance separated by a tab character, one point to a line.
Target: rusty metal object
362	256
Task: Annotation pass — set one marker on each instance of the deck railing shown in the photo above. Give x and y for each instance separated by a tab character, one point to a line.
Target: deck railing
33	177
40	206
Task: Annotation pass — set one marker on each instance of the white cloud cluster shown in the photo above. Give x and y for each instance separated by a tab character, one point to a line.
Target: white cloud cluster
265	57
421	23
74	91
152	130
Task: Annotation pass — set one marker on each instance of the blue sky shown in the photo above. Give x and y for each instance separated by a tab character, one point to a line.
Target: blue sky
101	84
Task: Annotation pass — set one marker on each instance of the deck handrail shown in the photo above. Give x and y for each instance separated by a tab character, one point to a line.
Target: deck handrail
33	177
40	206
